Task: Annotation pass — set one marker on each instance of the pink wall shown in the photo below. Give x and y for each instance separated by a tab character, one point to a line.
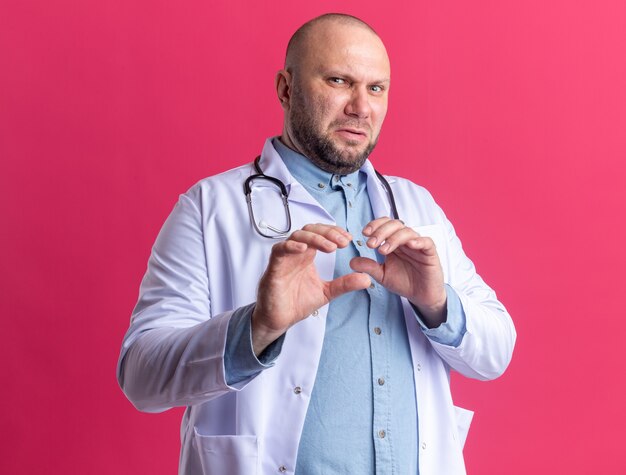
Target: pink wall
512	113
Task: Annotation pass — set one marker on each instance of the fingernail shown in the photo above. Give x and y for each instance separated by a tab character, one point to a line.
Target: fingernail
371	242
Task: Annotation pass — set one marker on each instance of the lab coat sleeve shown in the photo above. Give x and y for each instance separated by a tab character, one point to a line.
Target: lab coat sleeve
487	345
173	352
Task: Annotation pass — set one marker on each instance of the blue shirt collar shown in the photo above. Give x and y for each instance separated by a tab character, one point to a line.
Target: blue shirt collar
306	172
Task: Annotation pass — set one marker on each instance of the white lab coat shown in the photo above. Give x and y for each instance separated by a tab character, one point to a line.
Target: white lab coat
207	261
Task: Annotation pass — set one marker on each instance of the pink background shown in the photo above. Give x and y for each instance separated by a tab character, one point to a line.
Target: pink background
512	113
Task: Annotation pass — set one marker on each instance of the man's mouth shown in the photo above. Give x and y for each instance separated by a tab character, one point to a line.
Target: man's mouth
352	133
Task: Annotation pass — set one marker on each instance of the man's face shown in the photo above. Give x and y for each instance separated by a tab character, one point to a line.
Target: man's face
338	98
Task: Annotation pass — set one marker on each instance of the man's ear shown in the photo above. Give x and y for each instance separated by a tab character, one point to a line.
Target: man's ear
283	88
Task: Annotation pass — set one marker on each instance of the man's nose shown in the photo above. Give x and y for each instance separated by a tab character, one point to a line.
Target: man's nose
359	104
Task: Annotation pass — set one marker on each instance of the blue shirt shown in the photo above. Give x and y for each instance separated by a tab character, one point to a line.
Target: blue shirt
362	417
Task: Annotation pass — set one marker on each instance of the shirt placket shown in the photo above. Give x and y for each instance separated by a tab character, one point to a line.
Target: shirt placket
378	335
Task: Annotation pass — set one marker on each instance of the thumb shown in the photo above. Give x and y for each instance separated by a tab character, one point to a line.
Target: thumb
369	266
347	283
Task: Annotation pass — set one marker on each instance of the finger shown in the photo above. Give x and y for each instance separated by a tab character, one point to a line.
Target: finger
424	244
383	231
368	266
333	233
313	241
288	247
289	256
322	237
347	283
400	237
421	251
375	224
321	228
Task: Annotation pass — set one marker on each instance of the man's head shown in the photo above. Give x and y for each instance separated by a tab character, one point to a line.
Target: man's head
333	91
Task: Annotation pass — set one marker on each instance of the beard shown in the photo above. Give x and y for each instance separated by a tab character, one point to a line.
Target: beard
318	147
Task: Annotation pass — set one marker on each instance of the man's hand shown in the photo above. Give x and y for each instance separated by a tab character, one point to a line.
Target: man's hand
411	268
290	289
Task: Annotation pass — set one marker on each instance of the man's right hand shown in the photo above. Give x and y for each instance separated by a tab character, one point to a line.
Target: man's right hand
290	289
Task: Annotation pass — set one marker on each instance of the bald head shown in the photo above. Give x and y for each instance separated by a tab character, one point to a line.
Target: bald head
315	31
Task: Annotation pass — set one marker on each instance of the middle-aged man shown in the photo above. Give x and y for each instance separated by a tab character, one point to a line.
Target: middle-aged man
326	350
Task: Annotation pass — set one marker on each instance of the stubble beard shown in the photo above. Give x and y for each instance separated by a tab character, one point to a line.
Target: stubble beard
318	147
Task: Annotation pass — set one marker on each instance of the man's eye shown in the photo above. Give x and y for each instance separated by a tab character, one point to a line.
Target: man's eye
337	81
376	89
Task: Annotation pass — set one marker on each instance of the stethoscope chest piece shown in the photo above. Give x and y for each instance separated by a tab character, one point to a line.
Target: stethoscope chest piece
267	226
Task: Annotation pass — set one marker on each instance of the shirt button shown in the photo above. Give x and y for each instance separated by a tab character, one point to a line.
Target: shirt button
359	242
381	434
321	186
377	330
315	313
381	381
349	184
419	367
372	285
336	177
297	390
282	469
350	204
423	445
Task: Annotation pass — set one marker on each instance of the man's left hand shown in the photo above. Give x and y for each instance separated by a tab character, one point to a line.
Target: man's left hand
411	268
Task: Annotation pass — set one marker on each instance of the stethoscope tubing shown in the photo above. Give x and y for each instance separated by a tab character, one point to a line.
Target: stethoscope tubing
280	234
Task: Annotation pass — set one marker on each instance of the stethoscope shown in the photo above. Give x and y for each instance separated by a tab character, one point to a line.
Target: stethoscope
284	194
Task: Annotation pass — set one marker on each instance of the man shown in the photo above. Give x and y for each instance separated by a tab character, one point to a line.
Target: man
328	350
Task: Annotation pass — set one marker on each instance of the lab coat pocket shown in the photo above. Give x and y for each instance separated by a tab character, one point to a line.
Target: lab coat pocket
228	454
463	421
437	233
